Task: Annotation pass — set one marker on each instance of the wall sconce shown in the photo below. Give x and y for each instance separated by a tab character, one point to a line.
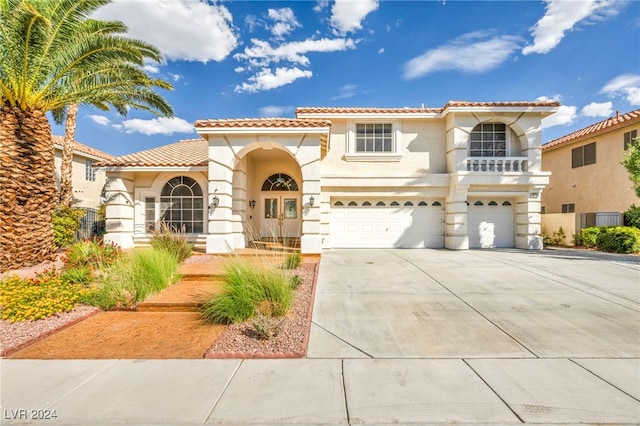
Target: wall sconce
252	204
214	202
311	201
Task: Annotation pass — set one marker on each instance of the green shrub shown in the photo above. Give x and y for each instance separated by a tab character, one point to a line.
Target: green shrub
619	239
295	281
556	239
78	275
133	278
247	288
66	222
589	236
632	216
265	327
292	261
37	298
173	242
92	254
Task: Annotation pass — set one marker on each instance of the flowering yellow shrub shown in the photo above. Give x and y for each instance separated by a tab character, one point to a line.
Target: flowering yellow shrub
24	299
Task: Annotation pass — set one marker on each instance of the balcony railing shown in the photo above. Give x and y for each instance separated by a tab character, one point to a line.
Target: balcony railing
496	164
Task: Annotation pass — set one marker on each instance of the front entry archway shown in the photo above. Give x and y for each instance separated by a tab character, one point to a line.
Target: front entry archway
281	210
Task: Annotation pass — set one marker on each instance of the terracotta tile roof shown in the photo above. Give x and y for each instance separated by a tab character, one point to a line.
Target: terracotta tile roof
82	148
405	110
525	104
365	110
185	153
603	126
261	123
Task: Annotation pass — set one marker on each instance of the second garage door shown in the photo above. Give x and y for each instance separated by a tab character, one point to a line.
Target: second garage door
387	223
490	224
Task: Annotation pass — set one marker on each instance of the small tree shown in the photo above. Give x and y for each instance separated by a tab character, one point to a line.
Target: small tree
631	162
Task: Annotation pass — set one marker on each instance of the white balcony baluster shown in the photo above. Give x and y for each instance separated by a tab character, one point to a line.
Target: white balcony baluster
496	164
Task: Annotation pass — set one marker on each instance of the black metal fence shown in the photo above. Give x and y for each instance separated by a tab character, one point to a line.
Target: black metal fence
90	226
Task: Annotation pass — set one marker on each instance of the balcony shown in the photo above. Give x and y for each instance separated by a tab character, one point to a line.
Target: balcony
496	164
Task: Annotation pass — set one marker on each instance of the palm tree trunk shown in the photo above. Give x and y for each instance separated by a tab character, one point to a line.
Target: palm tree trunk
66	186
27	188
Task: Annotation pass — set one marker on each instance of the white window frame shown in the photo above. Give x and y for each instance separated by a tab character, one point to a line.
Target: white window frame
351	154
507	152
89	171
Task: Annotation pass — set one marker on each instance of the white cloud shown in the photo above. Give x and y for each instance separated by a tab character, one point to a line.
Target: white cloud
153	69
381	50
284	21
261	53
346	91
181	29
176	77
566	115
320	5
100	119
275	111
562	16
251	21
598	109
267	80
347	15
156	126
626	86
473	53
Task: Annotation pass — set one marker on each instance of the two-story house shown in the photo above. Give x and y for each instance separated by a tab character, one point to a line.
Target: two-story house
462	176
586	174
86	180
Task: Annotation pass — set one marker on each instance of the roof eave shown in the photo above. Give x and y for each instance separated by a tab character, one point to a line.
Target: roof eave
138	168
368	115
544	111
214	130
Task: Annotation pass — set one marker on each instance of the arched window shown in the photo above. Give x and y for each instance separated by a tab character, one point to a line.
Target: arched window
366	203
408	203
352	203
394	203
506	203
488	140
338	204
437	204
279	182
182	205
380	203
478	203
493	203
423	203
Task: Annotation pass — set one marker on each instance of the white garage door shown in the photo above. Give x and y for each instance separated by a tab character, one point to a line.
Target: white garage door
397	223
490	223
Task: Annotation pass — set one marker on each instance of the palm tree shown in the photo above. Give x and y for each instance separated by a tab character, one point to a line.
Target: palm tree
52	56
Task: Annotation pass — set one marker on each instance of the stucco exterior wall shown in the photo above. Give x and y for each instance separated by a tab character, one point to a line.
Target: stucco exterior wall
599	187
86	194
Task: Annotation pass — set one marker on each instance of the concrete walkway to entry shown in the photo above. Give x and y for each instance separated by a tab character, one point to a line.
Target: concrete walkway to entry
398	336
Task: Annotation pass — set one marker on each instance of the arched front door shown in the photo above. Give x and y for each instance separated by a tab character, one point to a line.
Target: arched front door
281	210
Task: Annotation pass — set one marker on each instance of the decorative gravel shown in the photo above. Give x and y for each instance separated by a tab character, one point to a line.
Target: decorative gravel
237	341
19	334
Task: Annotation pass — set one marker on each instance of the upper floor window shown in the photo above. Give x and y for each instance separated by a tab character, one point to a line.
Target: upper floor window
374	137
373	141
89	171
629	137
583	155
488	140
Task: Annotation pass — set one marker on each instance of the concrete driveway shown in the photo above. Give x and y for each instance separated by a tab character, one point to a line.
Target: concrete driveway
476	304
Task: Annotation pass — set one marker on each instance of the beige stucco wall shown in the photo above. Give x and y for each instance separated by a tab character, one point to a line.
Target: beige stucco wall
569	222
600	187
86	193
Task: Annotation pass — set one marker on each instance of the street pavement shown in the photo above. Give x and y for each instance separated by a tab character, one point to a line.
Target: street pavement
398	337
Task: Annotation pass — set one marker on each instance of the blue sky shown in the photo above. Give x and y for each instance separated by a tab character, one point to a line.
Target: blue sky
229	59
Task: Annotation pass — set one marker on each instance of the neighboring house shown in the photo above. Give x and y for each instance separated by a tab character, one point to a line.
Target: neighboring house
587	178
462	176
87	181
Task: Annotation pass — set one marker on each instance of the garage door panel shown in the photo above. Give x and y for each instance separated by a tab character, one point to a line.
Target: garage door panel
491	226
387	227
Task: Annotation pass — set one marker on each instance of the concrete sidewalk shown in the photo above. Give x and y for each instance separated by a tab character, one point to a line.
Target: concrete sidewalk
404	337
